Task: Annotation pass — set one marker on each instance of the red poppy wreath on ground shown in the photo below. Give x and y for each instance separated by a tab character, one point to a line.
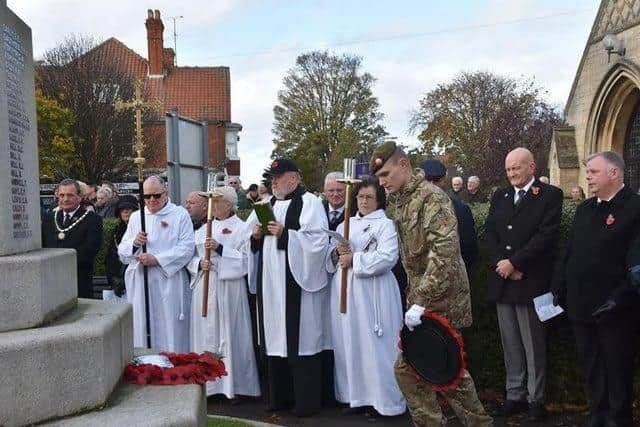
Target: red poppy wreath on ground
188	368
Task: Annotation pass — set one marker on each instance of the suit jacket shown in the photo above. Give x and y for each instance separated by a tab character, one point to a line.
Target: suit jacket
85	238
603	243
526	234
332	225
467	232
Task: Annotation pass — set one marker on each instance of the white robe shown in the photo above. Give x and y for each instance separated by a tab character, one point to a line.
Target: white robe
365	338
306	249
170	240
227	328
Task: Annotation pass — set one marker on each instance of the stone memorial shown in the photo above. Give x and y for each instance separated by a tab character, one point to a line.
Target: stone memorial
61	357
20	213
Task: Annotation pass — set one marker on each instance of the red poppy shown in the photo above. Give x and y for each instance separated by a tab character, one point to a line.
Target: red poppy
535	190
274	164
610	219
164	224
188	368
226	231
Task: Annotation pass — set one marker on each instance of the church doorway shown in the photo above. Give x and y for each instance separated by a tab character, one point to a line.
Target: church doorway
632	151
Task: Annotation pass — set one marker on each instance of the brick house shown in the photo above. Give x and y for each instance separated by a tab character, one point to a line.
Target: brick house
199	93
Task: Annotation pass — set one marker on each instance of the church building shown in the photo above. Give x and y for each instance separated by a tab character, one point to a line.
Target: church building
603	108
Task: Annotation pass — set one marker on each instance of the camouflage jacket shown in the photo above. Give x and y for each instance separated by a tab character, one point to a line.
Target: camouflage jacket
430	251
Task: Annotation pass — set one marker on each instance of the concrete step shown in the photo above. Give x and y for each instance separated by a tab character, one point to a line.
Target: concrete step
69	365
36	287
149	406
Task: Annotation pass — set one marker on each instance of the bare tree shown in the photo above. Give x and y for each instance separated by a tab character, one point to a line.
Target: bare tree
87	84
477	118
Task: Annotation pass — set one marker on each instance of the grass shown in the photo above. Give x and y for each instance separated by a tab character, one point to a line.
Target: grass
214	422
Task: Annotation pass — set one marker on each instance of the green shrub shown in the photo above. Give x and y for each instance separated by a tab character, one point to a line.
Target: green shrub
108	227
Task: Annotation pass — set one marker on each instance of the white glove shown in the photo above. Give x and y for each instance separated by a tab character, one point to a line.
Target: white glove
413	316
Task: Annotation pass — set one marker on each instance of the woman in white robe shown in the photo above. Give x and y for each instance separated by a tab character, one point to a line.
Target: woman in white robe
365	338
227	328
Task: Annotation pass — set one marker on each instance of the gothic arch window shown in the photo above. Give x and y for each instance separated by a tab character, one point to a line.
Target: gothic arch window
632	151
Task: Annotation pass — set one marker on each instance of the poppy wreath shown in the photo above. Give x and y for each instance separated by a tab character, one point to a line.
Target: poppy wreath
188	368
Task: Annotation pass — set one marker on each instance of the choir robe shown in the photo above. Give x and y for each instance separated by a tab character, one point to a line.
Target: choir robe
227	328
170	240
365	338
291	284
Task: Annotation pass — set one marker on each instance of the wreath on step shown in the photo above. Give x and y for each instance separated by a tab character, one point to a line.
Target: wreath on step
188	368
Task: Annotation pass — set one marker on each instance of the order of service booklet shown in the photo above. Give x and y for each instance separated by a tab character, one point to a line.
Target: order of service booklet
264	212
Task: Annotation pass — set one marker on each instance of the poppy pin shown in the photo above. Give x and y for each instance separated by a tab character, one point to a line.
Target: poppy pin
274	164
226	231
164	224
535	190
610	219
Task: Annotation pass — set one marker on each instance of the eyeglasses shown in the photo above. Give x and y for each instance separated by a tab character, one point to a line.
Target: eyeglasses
365	197
155	196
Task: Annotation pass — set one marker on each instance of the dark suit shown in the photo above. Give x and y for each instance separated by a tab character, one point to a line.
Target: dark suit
467	233
604	242
526	234
332	224
85	238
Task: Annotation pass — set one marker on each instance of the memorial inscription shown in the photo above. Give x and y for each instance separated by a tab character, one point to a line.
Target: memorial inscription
19	126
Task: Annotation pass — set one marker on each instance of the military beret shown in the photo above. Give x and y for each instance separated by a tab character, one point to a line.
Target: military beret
280	166
381	154
433	169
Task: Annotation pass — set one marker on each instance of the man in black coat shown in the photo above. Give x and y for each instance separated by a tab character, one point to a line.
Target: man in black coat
592	284
71	226
435	172
522	233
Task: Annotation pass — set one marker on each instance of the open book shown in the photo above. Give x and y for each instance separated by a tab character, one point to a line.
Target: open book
264	212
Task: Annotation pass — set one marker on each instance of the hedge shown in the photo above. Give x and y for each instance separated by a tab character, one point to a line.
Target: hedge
482	339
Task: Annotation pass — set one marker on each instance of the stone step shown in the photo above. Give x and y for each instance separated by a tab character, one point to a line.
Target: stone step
36	286
69	365
149	406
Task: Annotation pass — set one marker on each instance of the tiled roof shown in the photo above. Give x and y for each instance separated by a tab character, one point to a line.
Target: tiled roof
201	93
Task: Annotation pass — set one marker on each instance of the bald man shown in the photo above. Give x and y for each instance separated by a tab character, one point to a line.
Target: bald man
522	232
196	205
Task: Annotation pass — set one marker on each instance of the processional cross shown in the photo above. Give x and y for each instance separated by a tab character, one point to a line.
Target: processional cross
139	105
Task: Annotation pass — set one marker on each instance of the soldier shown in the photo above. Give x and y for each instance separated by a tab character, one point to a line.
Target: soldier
437	279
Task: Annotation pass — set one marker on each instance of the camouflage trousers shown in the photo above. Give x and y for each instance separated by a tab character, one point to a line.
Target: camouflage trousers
423	402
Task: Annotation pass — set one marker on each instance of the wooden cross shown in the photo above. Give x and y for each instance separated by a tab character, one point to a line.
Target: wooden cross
138	104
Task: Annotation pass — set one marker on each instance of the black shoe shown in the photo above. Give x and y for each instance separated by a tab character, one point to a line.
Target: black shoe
537	411
511	407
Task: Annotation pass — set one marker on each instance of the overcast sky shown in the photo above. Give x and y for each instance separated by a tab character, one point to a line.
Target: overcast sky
409	46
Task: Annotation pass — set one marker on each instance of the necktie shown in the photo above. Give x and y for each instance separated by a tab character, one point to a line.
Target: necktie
521	194
67	220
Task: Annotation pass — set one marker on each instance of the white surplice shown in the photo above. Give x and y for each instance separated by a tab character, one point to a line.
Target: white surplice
227	328
306	250
365	338
170	240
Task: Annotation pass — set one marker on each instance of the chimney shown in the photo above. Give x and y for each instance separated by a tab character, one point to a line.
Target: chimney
168	59
154	42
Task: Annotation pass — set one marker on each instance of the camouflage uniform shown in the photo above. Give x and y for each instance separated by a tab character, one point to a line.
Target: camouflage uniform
437	280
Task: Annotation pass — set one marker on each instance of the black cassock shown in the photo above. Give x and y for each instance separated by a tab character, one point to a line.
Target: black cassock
295	380
85	237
